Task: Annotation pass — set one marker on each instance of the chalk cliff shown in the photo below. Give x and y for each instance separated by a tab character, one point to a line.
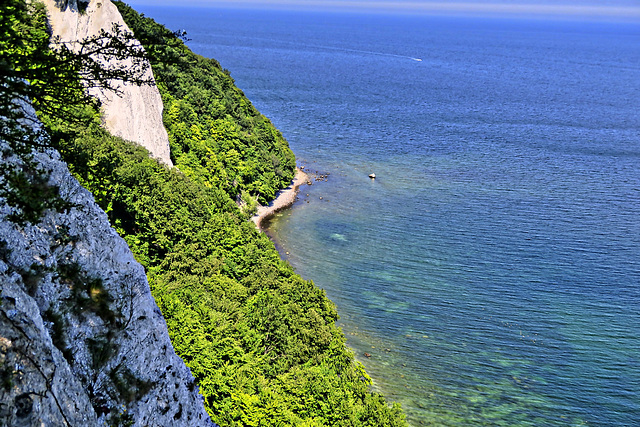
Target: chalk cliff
82	342
135	114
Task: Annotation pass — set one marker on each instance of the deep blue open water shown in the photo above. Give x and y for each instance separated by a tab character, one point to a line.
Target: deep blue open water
492	270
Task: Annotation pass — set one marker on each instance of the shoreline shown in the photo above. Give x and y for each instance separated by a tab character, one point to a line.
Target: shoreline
284	199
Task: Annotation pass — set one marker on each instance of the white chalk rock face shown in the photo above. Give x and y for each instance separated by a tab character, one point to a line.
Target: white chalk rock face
136	115
82	342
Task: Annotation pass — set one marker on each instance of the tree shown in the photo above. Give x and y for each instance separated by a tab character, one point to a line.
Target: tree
54	76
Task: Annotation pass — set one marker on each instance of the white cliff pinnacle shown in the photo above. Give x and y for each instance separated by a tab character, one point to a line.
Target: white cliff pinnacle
136	113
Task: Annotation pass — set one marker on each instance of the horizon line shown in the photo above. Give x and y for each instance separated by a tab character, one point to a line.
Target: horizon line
628	13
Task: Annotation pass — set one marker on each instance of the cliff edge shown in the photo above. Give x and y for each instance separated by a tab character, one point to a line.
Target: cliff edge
82	342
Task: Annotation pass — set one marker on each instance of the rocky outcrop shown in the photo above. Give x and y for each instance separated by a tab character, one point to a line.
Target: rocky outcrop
136	113
82	342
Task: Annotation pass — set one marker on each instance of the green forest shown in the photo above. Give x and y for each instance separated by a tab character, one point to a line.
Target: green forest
260	340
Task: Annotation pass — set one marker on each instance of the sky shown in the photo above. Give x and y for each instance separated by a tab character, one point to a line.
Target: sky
628	10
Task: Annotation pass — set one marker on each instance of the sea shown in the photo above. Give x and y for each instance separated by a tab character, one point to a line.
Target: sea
490	273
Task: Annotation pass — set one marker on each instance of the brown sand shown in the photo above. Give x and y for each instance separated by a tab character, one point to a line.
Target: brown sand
284	198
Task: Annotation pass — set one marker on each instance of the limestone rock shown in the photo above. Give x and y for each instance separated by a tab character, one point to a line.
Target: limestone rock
82	341
136	115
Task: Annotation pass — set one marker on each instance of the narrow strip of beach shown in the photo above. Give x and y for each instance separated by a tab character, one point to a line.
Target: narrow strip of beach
284	198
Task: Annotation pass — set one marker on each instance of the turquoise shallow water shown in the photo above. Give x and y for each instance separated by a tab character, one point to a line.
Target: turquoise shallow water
492	270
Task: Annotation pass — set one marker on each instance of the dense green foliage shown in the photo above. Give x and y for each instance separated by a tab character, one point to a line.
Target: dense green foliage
53	76
30	71
261	341
217	136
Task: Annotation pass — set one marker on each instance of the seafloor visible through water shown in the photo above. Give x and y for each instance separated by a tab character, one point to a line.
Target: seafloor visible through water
492	269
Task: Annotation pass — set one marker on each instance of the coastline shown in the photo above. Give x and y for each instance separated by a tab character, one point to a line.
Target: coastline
284	198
